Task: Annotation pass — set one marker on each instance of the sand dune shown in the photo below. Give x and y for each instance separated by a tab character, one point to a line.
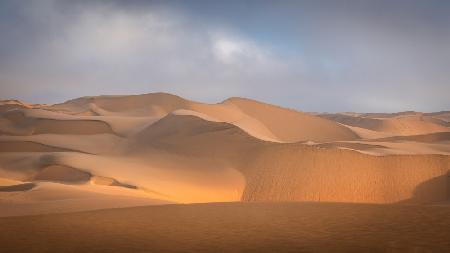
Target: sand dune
289	125
296	171
409	124
166	148
190	135
261	120
152	104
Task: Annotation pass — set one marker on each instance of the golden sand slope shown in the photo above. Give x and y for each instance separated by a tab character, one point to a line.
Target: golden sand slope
235	227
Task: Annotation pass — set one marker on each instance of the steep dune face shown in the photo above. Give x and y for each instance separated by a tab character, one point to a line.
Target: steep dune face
193	136
290	172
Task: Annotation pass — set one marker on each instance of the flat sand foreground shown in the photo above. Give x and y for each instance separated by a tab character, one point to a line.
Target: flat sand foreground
235	227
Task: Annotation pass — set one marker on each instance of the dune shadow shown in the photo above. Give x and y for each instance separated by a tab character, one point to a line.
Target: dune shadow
17	187
436	189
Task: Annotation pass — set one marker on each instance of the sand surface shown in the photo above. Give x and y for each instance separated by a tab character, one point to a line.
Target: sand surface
235	227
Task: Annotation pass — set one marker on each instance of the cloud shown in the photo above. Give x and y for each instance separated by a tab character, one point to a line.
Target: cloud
316	57
105	50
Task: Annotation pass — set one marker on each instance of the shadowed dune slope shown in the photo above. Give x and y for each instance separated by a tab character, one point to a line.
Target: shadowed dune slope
193	136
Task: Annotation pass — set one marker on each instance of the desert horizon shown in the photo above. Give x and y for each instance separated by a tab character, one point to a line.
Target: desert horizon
224	126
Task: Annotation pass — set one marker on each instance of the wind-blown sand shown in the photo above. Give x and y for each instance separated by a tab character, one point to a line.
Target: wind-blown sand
153	149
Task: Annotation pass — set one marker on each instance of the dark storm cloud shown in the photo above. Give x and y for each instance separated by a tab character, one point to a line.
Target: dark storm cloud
309	55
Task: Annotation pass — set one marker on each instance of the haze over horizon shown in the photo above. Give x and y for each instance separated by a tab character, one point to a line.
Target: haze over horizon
322	56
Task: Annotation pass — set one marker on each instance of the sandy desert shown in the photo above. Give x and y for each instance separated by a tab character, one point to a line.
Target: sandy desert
234	126
158	172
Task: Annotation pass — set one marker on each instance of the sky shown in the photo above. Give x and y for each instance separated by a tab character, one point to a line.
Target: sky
319	56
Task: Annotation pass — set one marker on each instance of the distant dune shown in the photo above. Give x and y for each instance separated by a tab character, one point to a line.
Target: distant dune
396	124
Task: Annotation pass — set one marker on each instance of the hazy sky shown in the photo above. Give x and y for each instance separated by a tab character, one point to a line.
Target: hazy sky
309	55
